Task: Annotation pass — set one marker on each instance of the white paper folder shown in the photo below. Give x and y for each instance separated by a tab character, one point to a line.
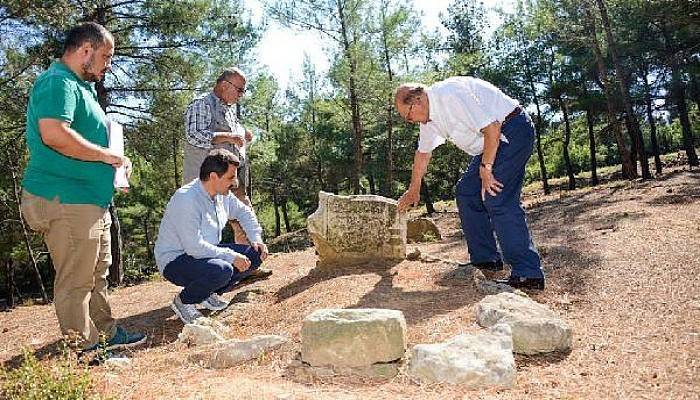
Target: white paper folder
116	144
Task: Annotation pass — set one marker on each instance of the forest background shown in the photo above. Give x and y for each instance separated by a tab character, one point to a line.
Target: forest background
608	83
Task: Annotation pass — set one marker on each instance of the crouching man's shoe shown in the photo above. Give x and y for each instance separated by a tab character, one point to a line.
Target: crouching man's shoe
523	283
256	275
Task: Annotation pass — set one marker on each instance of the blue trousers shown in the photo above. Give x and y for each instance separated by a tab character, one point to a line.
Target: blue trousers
501	214
200	277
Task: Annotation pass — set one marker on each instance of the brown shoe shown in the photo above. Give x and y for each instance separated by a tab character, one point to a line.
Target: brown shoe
257	275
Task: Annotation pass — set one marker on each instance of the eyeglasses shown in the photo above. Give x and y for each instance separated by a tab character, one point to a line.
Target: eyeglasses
240	90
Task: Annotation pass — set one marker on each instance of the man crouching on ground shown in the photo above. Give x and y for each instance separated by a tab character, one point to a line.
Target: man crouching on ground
189	252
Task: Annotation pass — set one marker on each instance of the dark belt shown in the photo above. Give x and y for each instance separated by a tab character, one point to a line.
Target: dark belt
512	114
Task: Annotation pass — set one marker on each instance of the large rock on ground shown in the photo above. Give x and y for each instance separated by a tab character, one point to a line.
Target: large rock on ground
422	230
233	352
476	361
353	338
536	328
354	229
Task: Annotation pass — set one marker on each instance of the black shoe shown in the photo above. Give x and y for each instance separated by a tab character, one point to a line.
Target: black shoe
494	266
523	283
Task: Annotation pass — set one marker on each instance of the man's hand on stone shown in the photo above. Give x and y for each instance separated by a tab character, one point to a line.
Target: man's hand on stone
241	262
262	249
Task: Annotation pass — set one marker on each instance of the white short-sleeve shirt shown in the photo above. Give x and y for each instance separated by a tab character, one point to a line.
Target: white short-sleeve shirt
459	108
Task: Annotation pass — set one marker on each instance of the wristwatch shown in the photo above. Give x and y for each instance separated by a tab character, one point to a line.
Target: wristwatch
488	166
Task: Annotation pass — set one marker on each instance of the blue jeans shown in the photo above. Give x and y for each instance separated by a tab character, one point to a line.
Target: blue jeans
201	277
503	213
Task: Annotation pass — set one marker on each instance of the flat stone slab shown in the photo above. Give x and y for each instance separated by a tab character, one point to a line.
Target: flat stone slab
536	328
353	337
476	361
348	230
233	352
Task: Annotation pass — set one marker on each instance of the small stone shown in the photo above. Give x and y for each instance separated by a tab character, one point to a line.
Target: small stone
117	362
414	255
233	352
491	287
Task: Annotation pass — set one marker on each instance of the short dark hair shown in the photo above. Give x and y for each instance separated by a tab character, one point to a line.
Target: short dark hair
91	32
217	161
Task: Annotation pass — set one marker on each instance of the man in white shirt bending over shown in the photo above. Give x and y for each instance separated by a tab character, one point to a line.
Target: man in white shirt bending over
492	127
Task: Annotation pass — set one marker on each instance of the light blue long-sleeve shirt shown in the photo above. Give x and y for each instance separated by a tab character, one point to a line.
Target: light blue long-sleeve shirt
193	221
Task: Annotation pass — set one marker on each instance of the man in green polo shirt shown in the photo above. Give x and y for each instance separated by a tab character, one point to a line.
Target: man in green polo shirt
68	185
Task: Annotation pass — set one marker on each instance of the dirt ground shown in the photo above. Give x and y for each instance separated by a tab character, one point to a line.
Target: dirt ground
622	262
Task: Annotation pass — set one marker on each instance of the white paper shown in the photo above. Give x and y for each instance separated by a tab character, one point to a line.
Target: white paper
116	144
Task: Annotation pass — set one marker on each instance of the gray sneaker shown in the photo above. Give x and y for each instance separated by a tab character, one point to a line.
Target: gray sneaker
188	313
214	302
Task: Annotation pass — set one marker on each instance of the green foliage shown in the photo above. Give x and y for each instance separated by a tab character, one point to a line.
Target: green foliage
34	381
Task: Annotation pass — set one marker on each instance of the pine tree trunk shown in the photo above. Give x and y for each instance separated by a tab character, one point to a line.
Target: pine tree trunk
538	130
147	237
429	208
567	139
389	181
25	234
636	133
285	215
10	275
678	91
629	169
591	146
275	202
354	102
652	123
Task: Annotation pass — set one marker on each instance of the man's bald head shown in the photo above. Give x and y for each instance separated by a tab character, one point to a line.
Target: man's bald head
408	93
412	102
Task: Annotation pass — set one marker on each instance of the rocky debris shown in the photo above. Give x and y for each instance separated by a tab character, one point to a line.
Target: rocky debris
202	331
536	328
233	352
477	361
117	362
422	230
465	273
349	230
301	371
414	255
488	287
353	338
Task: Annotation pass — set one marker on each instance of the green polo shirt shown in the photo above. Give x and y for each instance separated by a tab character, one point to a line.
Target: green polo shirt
59	93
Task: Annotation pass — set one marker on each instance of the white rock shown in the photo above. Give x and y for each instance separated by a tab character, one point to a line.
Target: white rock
232	352
197	335
536	328
476	361
353	337
117	362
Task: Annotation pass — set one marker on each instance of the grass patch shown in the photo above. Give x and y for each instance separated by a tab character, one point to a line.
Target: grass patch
34	381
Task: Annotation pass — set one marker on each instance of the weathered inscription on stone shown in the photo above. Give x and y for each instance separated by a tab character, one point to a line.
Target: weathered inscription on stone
349	229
